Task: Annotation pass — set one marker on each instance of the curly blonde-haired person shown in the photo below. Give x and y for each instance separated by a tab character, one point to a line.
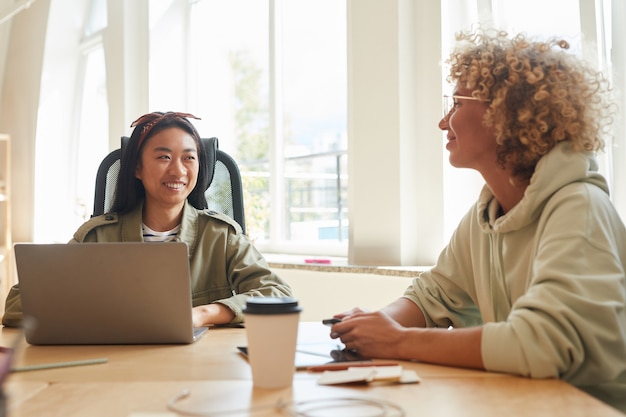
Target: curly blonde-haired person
538	95
532	281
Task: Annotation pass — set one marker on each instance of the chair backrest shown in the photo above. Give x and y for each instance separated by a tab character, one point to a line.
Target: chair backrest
224	195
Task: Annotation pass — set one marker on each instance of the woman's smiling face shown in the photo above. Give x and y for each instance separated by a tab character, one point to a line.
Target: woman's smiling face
168	168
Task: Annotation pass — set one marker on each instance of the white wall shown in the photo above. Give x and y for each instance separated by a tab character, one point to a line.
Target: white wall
19	107
323	294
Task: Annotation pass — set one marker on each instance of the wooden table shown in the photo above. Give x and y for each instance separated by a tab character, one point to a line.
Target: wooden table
140	380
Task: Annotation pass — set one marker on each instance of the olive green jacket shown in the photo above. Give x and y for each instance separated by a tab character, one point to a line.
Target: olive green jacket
225	267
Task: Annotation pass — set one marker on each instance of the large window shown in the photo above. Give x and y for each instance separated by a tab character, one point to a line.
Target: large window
267	77
272	85
91	144
72	123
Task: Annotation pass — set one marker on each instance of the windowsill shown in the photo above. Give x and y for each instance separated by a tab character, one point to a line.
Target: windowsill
337	264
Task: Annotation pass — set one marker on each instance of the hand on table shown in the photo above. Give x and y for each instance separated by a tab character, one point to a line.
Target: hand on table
371	334
208	314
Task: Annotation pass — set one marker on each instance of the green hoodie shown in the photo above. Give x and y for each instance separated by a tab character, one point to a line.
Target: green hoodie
546	280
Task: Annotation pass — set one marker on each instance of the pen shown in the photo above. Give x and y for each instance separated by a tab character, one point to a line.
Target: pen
342	366
55	365
330	322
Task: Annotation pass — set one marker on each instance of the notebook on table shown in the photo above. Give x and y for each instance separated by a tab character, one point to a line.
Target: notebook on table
106	293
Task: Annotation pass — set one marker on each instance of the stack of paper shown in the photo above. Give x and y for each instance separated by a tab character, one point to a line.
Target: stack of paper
362	374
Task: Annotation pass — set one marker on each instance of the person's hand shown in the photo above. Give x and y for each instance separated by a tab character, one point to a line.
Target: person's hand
208	314
347	314
372	335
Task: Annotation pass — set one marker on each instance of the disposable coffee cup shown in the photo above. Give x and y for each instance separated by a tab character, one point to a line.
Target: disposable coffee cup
272	332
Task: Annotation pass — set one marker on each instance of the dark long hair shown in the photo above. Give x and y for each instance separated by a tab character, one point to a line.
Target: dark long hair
129	191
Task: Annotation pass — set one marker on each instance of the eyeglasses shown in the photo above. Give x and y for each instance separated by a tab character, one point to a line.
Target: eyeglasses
449	103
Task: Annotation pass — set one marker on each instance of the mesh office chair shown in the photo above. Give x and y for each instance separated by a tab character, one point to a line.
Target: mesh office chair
224	195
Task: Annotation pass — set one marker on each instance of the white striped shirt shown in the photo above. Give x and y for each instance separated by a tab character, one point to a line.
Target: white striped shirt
150	235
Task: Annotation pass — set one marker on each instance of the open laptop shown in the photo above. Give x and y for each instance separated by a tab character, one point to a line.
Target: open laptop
106	293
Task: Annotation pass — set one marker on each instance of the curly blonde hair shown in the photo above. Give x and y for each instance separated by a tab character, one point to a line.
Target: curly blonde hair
538	95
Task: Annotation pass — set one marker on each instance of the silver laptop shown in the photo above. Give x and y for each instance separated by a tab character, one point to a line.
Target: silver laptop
106	293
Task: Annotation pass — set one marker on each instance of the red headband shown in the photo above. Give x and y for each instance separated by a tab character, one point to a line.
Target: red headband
152	119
